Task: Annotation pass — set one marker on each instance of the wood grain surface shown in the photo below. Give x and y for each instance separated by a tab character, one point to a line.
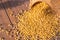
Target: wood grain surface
9	9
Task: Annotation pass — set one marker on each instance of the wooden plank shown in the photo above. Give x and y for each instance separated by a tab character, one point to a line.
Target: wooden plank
12	12
12	8
5	24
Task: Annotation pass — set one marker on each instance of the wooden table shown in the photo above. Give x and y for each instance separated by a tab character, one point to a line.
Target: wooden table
8	17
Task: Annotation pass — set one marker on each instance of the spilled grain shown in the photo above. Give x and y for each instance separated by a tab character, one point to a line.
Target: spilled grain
40	20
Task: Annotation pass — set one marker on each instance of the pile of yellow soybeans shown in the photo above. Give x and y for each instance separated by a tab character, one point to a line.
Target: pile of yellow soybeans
38	23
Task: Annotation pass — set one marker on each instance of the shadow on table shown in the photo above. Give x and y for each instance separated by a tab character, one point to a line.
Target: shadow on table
10	4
